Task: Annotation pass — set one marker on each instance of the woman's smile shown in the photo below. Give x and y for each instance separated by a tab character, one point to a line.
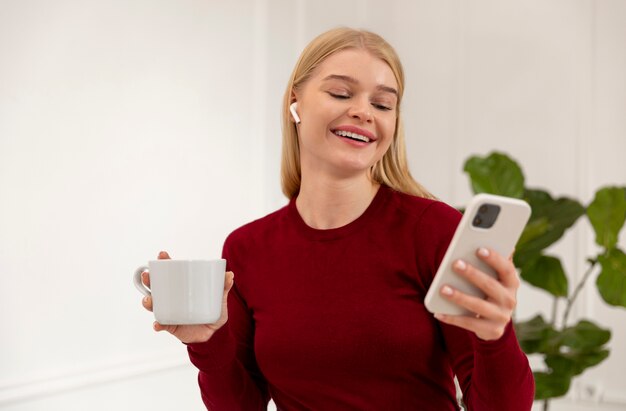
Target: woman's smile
354	134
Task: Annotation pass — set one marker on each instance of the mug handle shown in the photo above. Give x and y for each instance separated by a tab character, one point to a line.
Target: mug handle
137	280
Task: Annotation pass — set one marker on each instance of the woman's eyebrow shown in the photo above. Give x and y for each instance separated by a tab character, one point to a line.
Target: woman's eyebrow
352	80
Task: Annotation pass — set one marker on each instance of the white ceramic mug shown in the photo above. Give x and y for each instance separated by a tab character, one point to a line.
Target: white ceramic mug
184	291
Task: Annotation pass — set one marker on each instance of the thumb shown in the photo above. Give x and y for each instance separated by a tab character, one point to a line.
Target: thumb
230	280
163	255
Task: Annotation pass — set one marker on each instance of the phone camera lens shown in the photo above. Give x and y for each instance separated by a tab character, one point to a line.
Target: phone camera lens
486	215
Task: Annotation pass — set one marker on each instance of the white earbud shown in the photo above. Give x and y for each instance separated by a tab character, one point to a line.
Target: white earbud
292	108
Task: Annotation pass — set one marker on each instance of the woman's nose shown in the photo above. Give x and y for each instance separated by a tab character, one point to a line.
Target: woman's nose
361	110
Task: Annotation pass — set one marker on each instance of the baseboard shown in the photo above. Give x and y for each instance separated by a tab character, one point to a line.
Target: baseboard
13	391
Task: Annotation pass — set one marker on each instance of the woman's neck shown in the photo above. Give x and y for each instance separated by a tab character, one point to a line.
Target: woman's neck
326	203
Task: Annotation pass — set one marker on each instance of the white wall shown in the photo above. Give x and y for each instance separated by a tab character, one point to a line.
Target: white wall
131	127
125	128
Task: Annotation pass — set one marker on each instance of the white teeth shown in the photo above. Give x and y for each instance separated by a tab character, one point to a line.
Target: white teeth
352	135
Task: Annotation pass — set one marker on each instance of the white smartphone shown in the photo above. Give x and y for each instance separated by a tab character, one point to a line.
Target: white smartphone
490	221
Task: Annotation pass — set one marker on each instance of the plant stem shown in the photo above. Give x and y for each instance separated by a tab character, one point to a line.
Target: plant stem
546	405
579	287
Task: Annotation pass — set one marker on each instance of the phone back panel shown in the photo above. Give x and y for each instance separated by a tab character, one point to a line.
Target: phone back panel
501	237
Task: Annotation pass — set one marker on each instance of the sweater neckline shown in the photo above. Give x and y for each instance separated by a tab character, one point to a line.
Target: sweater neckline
370	212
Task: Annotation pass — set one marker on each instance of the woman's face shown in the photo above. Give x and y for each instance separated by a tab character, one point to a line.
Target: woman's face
348	111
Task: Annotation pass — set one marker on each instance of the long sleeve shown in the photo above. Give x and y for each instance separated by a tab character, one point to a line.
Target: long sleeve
229	377
490	373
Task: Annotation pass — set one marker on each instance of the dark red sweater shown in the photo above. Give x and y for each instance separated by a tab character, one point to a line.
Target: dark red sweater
334	320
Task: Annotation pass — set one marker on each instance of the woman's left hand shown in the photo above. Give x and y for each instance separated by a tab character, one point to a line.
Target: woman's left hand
493	312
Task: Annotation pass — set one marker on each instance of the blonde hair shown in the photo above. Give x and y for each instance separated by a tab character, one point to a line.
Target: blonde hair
392	170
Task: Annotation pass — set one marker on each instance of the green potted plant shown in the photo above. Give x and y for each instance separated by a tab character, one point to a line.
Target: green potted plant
567	348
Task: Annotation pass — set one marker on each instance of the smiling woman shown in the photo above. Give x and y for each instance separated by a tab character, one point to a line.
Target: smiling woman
392	169
327	310
348	116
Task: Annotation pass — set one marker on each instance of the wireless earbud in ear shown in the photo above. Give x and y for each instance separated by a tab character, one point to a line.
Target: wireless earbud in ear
292	108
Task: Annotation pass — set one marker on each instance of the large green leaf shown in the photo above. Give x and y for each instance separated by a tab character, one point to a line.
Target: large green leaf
551	385
548	222
495	174
585	335
567	353
535	335
607	213
579	347
575	362
546	272
612	279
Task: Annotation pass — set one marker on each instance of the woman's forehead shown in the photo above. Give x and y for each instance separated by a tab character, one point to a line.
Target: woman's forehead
358	64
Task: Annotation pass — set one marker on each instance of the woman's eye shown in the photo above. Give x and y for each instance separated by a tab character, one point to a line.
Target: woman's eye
382	106
339	96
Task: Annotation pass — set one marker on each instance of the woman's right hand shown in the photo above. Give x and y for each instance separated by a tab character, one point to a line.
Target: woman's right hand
195	333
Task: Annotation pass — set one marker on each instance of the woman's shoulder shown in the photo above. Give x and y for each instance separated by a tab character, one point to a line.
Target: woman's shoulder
431	223
259	228
425	208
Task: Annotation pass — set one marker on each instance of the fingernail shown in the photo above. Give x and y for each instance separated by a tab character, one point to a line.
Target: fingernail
445	290
483	252
460	264
145	299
